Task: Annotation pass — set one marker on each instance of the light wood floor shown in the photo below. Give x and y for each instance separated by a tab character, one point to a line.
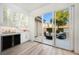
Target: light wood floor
34	48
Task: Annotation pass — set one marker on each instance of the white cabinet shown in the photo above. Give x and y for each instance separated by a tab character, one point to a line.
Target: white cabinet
24	37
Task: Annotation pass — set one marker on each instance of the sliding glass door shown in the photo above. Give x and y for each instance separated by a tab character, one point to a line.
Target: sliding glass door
56	28
64	30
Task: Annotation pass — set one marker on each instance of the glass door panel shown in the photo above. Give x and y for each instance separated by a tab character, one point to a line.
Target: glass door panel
62	19
48	28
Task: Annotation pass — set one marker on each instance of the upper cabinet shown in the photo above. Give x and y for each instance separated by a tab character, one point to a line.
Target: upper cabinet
13	17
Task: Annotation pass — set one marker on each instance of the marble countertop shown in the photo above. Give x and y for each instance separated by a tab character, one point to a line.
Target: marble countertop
6	34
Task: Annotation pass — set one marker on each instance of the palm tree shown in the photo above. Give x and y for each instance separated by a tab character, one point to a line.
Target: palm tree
44	20
51	20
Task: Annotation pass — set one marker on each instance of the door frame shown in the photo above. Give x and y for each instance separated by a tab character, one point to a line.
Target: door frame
71	34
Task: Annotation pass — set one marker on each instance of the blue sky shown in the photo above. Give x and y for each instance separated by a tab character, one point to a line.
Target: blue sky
48	16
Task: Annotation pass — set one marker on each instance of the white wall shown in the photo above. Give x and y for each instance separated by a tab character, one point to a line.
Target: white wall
1	14
32	27
76	23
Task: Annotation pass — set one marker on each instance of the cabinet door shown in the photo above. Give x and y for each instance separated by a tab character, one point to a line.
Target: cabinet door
16	39
24	37
27	36
6	42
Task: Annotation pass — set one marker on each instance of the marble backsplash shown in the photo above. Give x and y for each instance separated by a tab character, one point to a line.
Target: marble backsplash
5	29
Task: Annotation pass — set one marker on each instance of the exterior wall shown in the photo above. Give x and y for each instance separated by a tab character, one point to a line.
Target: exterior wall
38	26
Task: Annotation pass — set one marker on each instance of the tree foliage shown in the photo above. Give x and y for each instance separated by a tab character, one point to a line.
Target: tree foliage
61	18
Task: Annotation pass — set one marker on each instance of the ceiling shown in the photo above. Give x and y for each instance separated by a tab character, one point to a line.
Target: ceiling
30	6
41	8
52	7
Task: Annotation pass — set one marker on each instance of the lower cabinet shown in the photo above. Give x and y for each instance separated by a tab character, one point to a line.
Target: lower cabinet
16	39
9	41
24	37
6	42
